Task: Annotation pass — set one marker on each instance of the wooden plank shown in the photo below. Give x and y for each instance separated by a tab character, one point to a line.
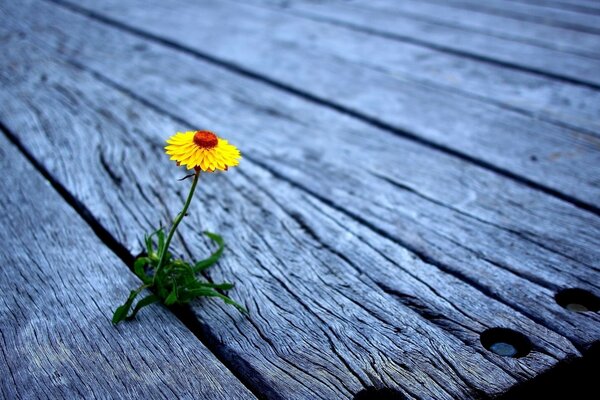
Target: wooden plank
292	333
512	89
324	322
447	62
561	161
478	22
59	285
495	221
583	6
527	57
583	22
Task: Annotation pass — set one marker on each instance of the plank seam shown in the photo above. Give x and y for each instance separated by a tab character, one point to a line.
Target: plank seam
519	16
325	324
424	257
320	101
443	49
451	25
562	6
569	371
539	115
116	247
393	292
530	237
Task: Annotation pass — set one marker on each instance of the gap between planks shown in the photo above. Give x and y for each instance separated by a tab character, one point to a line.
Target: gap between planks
488	83
139	98
182	313
311	14
553	38
316	99
585	8
532	13
48	363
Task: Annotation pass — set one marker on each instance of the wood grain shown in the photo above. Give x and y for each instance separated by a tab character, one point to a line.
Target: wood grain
584	6
496	26
584	22
561	160
473	219
59	286
317	329
425	53
352	310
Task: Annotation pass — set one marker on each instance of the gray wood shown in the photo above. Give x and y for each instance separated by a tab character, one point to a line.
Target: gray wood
317	329
155	61
520	55
584	22
59	286
560	160
424	52
489	216
583	6
478	22
356	309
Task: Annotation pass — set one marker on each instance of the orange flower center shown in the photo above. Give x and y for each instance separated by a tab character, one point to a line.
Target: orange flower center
206	139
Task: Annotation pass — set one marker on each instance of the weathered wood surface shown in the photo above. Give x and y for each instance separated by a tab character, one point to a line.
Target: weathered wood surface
470	30
584	22
417	55
584	6
491	218
481	23
59	287
354	309
296	344
561	159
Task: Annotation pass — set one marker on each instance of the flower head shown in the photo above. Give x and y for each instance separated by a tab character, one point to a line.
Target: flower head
202	150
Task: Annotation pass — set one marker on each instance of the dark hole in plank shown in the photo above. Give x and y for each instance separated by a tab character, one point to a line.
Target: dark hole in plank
578	300
505	342
573	379
372	393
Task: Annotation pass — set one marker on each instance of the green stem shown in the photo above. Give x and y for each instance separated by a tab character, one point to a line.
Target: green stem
176	222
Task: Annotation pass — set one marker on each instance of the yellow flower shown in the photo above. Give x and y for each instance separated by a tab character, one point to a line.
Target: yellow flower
202	150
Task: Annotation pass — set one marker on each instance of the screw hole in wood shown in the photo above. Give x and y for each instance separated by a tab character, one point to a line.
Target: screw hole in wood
578	300
372	393
505	342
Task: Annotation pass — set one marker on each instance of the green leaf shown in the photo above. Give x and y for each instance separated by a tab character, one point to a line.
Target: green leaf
149	247
213	293
149	244
204	264
161	240
138	268
146	301
162	292
179	265
220	286
121	312
176	281
172	297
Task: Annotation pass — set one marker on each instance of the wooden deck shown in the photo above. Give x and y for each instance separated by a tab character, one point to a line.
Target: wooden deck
420	184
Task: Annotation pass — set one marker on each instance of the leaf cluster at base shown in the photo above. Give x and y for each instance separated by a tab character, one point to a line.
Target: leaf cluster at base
176	282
